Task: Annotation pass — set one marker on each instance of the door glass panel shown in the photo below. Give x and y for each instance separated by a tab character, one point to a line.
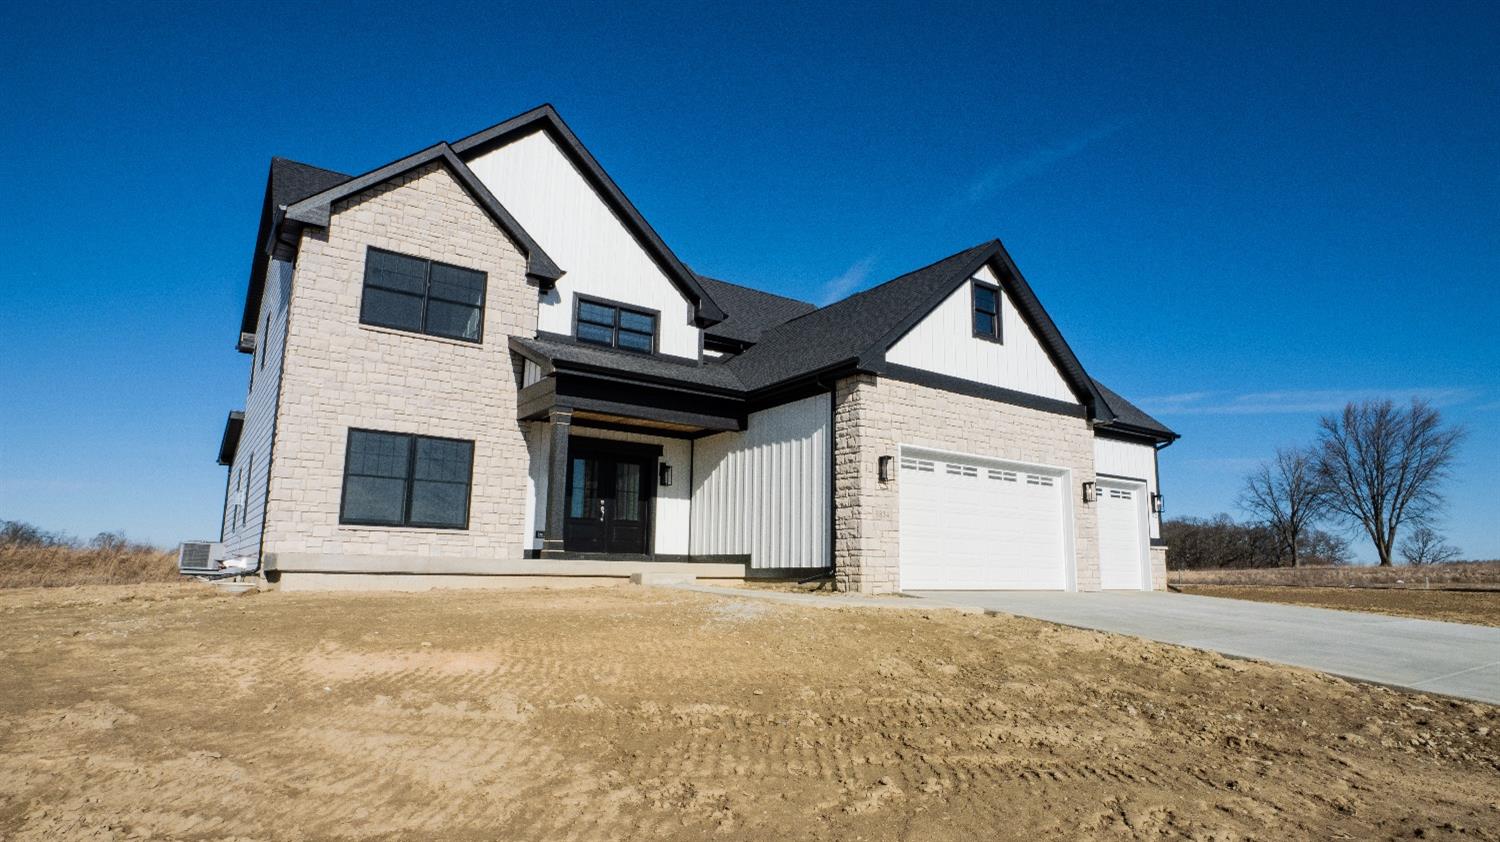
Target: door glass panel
583	493
627	492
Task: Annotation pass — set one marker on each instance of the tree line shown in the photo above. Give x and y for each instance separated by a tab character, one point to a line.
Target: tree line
1375	469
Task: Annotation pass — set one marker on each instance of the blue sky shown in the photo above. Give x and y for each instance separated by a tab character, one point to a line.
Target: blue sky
1241	218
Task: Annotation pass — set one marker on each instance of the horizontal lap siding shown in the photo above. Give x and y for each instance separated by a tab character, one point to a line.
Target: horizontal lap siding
249	471
766	491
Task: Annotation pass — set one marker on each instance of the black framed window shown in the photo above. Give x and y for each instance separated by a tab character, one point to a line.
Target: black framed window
422	296
601	323
395	479
986	311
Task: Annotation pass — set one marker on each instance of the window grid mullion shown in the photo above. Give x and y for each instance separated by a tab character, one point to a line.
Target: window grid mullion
411	473
426	296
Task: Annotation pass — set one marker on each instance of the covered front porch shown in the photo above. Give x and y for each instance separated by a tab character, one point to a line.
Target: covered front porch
611	452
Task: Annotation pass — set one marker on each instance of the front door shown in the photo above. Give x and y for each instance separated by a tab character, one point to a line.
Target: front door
608	500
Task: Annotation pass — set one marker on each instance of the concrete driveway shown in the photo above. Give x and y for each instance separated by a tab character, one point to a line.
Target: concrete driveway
1448	658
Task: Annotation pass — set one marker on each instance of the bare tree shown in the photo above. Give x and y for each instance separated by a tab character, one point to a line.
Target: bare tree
1425	546
1286	495
1382	466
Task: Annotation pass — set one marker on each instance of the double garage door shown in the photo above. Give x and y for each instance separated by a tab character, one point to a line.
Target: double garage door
974	523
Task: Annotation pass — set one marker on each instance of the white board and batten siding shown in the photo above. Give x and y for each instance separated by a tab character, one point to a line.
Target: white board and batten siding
531	373
944	342
1117	458
765	491
244	507
599	255
669	510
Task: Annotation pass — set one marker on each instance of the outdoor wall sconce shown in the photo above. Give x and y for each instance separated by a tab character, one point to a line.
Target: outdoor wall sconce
1156	502
664	475
886	463
1090	492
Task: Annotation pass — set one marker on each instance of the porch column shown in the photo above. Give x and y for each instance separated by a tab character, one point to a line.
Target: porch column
561	418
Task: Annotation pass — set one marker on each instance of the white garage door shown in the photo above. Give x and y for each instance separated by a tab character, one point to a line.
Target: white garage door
1123	552
971	523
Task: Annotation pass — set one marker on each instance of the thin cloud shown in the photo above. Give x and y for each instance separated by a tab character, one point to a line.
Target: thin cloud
842	286
1018	169
1295	401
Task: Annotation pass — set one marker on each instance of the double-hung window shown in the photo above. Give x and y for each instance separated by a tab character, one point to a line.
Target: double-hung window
616	326
986	311
394	479
422	296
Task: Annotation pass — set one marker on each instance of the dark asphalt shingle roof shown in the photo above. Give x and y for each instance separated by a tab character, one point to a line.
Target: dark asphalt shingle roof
1129	414
579	356
846	329
293	181
751	311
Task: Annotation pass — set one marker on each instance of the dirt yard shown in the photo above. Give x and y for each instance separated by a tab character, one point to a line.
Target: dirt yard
631	713
1477	607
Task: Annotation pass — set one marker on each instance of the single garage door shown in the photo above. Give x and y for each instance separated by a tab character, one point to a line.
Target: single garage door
1123	551
974	523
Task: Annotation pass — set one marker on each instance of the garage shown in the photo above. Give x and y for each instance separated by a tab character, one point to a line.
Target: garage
1124	554
978	523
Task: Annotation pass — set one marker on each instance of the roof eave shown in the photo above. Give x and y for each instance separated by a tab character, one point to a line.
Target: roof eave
546	118
316	210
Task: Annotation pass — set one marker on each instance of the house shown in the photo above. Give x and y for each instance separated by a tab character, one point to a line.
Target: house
478	364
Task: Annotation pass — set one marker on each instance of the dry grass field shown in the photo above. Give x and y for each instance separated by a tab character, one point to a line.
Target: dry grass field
1462	606
168	711
1476	574
62	565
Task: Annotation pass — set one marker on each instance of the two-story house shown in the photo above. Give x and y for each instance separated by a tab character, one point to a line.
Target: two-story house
479	365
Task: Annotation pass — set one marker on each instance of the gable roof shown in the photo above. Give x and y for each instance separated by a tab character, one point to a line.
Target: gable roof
288	181
857	331
316	209
845	331
749	312
545	118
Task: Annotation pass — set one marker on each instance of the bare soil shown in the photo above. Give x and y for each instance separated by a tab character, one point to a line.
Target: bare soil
636	713
1477	607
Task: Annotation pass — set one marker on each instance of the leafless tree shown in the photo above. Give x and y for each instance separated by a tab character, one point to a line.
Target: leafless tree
1425	546
1383	466
1286	495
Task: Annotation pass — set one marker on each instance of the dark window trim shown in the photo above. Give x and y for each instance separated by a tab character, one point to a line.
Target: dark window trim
617	306
484	294
999	335
411	471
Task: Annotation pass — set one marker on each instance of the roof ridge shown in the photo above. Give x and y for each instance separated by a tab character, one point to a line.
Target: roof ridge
704	277
864	292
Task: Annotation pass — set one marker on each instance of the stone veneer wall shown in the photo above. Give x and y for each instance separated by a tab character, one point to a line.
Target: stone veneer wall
341	374
1158	568
874	416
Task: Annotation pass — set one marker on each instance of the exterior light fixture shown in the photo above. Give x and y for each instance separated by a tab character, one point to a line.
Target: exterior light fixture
1090	492
886	464
664	475
1156	502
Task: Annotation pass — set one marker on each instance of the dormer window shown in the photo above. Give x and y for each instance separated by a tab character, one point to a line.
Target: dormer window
987	311
616	326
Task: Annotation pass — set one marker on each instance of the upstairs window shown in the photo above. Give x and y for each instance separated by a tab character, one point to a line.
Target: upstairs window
601	323
422	296
393	479
986	311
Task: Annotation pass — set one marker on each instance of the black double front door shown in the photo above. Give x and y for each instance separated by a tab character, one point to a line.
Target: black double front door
609	496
